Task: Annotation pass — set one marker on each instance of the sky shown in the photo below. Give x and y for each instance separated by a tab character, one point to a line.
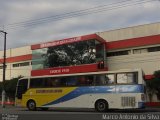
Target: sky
17	17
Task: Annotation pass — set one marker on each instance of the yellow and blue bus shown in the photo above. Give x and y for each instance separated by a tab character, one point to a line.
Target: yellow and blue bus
122	89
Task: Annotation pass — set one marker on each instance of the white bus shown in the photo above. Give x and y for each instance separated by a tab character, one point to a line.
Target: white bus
122	89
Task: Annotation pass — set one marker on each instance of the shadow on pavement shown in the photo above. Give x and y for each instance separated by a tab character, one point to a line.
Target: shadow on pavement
50	110
92	110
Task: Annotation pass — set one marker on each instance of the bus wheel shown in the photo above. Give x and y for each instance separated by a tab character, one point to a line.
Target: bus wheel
31	105
101	105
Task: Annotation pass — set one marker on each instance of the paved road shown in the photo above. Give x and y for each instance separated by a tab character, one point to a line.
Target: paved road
76	114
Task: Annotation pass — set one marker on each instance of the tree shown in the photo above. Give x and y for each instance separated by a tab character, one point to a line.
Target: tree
70	54
157	83
10	87
153	86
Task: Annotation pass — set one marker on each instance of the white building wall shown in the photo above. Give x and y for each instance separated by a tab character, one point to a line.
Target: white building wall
22	70
12	72
149	62
131	32
21	51
8	54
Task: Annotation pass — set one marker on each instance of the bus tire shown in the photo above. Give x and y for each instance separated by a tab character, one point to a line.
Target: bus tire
101	105
31	104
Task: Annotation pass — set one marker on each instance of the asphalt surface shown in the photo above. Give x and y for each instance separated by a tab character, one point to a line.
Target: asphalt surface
14	113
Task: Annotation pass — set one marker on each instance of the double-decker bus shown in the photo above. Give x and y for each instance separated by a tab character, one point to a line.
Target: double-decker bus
121	89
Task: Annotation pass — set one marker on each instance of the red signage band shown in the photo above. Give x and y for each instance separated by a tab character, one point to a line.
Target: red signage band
67	41
66	70
134	42
18	58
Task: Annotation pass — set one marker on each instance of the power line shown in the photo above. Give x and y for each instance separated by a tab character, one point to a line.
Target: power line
68	13
92	10
60	17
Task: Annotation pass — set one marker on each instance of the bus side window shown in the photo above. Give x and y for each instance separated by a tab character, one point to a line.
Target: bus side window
89	80
56	82
132	77
110	78
86	80
100	80
122	78
37	82
82	80
52	82
105	79
71	81
127	78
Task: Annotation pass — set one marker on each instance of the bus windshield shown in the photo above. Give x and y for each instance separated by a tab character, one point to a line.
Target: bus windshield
21	88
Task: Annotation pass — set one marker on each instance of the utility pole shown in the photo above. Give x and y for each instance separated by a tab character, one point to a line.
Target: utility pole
4	71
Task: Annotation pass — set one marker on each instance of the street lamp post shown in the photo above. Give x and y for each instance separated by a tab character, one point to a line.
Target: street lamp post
4	71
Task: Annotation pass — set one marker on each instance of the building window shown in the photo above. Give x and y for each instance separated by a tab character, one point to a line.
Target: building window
145	50
139	51
154	49
24	64
1	67
21	64
118	53
78	53
15	65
